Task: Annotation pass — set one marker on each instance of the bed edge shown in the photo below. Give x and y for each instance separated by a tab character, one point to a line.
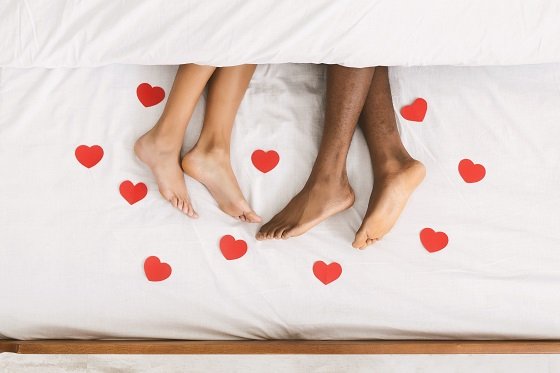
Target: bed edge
280	347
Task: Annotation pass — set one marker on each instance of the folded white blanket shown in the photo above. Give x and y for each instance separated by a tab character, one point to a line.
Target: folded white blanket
69	33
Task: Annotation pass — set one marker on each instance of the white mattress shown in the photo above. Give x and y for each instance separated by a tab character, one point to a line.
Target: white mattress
72	249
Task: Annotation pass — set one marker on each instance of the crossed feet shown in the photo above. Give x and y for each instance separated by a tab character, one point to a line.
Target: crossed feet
319	200
211	168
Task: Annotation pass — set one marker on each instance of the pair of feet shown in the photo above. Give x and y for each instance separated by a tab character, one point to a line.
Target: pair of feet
211	168
321	199
317	201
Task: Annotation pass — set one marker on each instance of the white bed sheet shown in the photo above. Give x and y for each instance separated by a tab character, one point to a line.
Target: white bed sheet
75	33
72	249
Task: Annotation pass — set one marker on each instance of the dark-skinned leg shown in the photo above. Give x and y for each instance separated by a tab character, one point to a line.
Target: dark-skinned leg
396	173
327	190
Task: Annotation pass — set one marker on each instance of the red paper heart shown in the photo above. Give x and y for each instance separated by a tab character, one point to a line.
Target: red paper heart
416	111
231	248
470	171
327	273
265	161
89	156
148	95
433	241
155	270
133	193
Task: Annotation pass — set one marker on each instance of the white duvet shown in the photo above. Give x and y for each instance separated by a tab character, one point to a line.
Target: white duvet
58	33
72	249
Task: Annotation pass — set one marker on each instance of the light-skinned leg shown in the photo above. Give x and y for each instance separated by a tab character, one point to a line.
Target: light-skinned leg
209	160
160	147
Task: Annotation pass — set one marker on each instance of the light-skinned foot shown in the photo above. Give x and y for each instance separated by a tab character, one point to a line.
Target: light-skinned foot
213	169
162	156
317	201
392	188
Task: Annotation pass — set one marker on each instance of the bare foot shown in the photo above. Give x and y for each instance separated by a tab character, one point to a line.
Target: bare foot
316	202
213	169
164	164
390	193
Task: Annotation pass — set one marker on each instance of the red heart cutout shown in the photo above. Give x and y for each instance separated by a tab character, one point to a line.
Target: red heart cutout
89	156
433	241
265	161
231	248
148	95
155	270
327	273
416	111
470	171
133	193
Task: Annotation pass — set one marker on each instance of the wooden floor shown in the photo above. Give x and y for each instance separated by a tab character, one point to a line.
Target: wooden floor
279	347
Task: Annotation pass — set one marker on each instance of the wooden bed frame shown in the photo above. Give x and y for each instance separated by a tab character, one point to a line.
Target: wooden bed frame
280	347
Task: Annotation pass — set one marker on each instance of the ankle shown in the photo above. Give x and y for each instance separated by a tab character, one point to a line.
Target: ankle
391	166
328	180
163	143
167	128
211	150
214	146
